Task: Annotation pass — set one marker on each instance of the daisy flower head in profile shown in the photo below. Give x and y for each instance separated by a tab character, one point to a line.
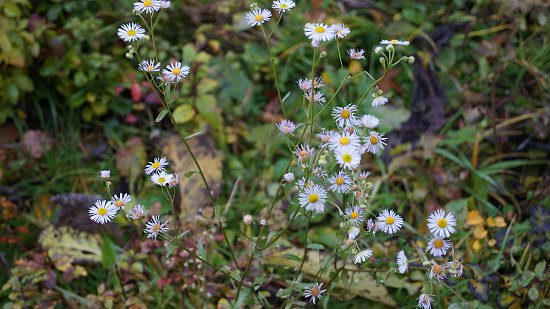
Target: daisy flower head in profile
353	232
155	227
162	179
348	158
402	262
282	6
379	100
131	32
147	6
437	271
438	246
304	84
165	4
340	183
325	136
340	30
149	66
424	301
303	152
119	201
345	116
314	293
105	174
164	79
176	71
455	268
286	127
389	222
344	141
355	215
369	121
356	54
289	177
102	211
257	17
441	224
318	32
372	227
315	96
313	198
158	165
363	175
375	142
394	42
362	256
137	212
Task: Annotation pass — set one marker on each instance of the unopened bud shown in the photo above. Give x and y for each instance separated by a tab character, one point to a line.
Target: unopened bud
378	50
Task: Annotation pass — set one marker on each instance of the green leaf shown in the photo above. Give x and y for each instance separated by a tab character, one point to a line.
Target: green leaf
533	293
286	96
190	173
13	93
108	252
202	252
24	83
292	257
183	113
161	115
315	246
170	250
540	268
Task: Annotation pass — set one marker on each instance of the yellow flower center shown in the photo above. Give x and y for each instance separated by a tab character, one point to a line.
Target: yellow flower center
345	114
346	158
390	220
155	228
176	71
131	32
339	181
284	6
102	211
438	243
319	29
354	215
344	141
373	139
314	291
394	41
119	203
442	223
259	17
161	180
313	198
150	68
156	165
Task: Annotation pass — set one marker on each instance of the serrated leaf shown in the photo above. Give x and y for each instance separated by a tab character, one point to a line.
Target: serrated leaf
161	115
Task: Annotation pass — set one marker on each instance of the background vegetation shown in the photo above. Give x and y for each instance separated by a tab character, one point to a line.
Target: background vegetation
468	127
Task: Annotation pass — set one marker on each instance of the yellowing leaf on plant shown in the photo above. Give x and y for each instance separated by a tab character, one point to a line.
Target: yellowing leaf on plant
476	245
492	242
491	222
499	221
474	218
480	232
183	113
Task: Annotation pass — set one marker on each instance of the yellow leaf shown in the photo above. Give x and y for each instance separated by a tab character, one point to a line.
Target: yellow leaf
480	232
67	245
491	242
474	218
499	221
490	222
183	113
476	245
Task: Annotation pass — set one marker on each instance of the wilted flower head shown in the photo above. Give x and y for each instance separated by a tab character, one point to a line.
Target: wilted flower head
379	101
314	292
356	54
137	212
424	301
437	271
286	127
248	219
288	177
402	262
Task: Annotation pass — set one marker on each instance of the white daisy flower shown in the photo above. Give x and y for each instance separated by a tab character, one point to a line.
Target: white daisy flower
344	141
286	127
437	271
131	32
438	246
315	96
165	4
340	183
440	224
318	32
379	101
147	6
340	30
424	301
158	165
345	116
303	152
137	212
176	71
257	17
369	121
162	178
363	175
389	222
154	227
402	262
248	219
288	177
353	232
314	292
394	42
149	66
372	227
304	84
375	142
105	174
313	198
102	211
362	256
455	268
283	5
348	158
356	54
119	201
355	215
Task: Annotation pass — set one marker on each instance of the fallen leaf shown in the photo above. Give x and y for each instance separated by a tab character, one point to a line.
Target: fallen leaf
474	218
499	221
480	232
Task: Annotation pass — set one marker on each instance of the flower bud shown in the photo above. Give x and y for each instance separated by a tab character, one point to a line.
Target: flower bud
247	219
390	48
411	59
382	60
378	50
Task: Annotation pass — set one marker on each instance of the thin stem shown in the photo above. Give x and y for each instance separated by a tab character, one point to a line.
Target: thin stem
370	87
339	54
272	60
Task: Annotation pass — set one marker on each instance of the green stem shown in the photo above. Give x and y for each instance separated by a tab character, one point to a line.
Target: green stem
339	54
370	87
272	60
